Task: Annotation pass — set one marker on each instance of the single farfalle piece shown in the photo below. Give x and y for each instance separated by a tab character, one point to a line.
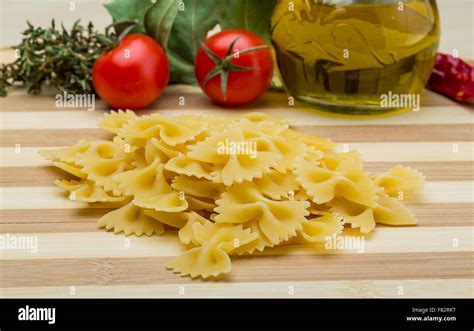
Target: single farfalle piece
400	179
211	258
347	180
258	117
131	219
235	158
200	204
71	169
183	165
358	216
165	151
183	221
331	160
103	159
257	245
290	151
389	211
200	188
172	132
276	185
251	127
155	149
317	229
150	189
65	155
277	220
115	120
86	191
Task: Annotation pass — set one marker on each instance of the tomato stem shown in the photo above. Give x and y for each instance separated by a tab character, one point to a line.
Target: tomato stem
113	41
224	65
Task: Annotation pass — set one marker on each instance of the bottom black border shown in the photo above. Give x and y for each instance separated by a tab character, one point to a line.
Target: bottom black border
244	314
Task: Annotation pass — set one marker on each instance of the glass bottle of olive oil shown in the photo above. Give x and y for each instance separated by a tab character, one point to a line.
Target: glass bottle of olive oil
347	55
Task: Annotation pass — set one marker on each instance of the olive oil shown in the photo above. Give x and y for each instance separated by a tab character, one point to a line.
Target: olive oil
345	55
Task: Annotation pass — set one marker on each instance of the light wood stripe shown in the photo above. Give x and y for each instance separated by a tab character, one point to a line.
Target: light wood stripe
436	288
371	152
68	119
389	133
255	269
364	133
46	138
46	197
414	151
42	198
46	227
108	245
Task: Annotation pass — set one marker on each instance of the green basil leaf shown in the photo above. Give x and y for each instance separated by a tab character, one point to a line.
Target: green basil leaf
159	20
181	71
250	15
194	20
129	10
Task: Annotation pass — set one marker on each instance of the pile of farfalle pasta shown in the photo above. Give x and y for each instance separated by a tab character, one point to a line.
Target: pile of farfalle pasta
228	185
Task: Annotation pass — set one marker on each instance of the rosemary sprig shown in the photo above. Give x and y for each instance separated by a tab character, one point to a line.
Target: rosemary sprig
61	58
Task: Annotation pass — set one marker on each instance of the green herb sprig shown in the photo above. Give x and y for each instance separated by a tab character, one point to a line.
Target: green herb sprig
62	58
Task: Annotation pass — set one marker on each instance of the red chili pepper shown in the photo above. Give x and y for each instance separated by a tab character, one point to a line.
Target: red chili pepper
453	78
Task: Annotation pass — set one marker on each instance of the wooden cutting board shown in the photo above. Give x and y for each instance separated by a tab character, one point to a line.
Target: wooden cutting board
76	259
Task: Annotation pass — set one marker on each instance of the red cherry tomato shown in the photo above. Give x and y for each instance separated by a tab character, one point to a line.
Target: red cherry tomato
243	86
132	75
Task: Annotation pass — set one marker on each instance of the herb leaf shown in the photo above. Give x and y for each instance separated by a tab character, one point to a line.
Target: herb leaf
194	20
122	10
63	58
159	20
250	15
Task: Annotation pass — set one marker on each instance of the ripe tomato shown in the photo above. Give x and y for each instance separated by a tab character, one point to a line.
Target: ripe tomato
234	67
132	75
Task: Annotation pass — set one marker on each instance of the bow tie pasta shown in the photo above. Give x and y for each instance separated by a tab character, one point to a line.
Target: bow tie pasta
229	186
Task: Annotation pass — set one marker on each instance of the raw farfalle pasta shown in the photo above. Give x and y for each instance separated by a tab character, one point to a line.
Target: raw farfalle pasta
228	185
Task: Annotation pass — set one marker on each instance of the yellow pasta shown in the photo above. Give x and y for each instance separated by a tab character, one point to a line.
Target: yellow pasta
114	121
131	219
86	191
229	186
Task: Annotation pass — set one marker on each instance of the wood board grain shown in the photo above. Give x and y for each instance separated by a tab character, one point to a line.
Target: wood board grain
433	259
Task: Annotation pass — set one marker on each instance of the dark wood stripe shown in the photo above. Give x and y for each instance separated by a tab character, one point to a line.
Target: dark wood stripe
132	271
434	171
170	100
31	176
443	215
85	220
54	217
391	133
340	134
